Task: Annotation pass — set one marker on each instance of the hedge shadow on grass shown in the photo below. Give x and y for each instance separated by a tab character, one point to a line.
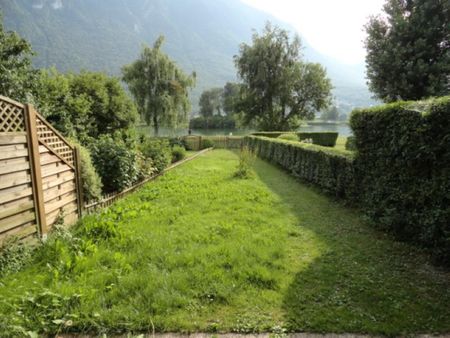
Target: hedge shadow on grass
364	281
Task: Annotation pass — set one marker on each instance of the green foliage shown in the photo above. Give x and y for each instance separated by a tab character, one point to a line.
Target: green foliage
225	142
178	153
408	50
289	137
271	134
330	114
246	161
160	87
279	88
92	183
403	159
116	162
207	143
214	122
329	169
84	105
158	150
218	254
13	255
16	73
325	139
211	102
350	143
231	97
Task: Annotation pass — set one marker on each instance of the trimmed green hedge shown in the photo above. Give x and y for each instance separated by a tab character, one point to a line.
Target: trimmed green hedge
325	139
403	156
330	169
399	173
272	134
194	142
350	143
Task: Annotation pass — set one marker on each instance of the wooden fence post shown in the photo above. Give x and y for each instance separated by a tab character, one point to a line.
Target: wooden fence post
79	181
199	143
35	168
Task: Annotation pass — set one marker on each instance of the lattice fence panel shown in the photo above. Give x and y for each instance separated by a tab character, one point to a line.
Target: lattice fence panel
12	117
52	140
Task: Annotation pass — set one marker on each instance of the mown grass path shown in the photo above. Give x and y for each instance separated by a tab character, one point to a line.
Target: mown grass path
199	250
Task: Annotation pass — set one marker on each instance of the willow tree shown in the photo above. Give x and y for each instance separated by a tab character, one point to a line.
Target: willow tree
279	88
159	87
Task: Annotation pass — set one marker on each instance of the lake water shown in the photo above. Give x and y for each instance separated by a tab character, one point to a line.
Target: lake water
342	129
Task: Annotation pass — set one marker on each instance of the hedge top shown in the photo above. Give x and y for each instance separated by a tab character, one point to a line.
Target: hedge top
308	146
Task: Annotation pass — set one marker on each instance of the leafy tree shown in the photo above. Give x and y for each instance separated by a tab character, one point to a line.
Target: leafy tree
408	50
16	73
279	88
330	114
159	87
84	105
211	102
230	97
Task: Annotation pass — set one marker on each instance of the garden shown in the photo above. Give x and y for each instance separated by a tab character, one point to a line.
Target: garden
201	249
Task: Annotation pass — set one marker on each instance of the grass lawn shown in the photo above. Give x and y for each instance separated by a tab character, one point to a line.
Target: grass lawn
200	250
340	142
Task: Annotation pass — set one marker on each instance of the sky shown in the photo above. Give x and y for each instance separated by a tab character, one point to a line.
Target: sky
332	27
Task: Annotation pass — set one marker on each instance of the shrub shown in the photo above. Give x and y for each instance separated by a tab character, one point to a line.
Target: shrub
158	150
246	159
145	166
272	134
177	141
91	181
289	137
178	153
14	255
207	143
330	169
325	139
350	143
115	161
403	156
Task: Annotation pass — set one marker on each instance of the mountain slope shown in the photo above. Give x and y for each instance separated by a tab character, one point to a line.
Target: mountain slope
201	35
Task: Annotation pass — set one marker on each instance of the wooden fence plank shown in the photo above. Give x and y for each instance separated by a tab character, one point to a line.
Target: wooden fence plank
13	179
16	220
14	193
33	145
13	138
17	209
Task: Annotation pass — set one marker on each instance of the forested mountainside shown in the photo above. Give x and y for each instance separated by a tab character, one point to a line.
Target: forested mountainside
201	35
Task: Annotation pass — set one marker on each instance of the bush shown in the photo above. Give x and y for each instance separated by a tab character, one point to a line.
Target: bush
325	139
289	137
246	159
158	150
350	143
178	153
403	156
91	181
330	169
271	134
116	162
207	143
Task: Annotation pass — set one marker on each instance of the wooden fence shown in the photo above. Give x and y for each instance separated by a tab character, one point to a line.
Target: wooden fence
39	173
196	142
